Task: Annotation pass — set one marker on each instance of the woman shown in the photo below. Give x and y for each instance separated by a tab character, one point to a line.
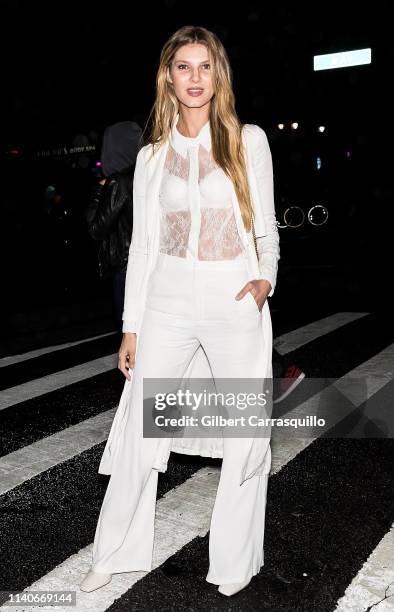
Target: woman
195	305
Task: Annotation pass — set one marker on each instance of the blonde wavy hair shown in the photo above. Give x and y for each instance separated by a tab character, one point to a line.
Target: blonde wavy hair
226	128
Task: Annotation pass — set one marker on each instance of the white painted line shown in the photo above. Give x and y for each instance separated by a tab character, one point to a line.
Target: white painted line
5	361
58	380
374	583
303	335
31	460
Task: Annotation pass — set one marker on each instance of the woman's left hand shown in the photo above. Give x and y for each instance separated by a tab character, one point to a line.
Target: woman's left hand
259	290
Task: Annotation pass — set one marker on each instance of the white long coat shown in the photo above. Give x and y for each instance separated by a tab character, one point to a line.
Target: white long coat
144	248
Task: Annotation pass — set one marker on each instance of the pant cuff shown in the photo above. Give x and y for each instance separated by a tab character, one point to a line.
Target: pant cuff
232	580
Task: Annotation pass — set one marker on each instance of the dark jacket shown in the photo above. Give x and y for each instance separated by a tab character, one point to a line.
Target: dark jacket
110	219
110	211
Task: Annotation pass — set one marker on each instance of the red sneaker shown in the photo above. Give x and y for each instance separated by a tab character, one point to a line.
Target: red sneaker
284	385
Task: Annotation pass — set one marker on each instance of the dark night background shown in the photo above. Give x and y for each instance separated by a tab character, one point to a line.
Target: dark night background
69	69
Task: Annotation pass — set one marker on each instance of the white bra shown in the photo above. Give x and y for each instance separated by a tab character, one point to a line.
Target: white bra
196	212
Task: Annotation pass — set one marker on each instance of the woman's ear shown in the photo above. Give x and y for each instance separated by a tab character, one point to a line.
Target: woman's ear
168	76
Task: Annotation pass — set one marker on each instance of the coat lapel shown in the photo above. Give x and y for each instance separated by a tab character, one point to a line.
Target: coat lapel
154	168
254	193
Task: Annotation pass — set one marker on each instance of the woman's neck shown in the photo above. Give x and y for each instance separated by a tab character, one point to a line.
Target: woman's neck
191	129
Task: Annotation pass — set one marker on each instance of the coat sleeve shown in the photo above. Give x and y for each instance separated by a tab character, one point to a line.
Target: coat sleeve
138	251
106	204
268	245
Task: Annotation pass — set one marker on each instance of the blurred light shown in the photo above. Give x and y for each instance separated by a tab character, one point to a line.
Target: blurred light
348	154
14	152
294	126
318	163
281	126
321	128
318	215
98	163
342	59
50	192
294	216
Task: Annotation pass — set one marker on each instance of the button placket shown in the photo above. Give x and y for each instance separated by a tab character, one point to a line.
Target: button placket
194	199
194	190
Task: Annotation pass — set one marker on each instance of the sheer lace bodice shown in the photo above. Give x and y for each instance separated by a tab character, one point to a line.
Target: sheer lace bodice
197	218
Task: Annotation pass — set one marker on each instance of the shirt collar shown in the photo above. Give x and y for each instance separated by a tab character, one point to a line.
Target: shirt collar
183	143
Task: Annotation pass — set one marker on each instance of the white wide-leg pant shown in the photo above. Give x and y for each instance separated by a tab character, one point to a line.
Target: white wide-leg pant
190	302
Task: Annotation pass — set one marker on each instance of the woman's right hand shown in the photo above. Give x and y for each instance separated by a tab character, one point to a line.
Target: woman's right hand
126	355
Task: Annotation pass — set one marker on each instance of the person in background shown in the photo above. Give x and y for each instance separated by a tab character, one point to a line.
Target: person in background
287	376
109	214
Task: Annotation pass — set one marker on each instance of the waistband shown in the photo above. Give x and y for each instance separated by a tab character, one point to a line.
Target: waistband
174	262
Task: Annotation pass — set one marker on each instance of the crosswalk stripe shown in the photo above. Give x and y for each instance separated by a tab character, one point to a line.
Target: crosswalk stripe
52	382
31	460
307	333
6	361
374	583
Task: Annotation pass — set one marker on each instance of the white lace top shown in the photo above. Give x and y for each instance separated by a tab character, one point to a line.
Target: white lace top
196	213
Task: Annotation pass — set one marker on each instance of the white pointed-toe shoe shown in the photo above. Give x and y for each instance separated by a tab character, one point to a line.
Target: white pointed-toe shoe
94	580
234	587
